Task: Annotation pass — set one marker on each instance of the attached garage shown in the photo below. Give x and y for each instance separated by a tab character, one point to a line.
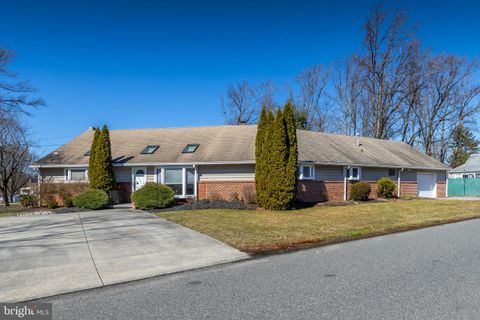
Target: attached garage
427	184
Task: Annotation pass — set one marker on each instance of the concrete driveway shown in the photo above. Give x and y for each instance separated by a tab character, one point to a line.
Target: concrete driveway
48	255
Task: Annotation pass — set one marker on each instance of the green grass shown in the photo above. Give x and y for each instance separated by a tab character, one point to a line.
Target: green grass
267	231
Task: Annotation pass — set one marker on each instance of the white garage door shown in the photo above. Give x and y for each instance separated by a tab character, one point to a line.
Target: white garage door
427	185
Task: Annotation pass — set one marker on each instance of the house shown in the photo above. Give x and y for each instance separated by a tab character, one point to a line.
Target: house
219	162
470	169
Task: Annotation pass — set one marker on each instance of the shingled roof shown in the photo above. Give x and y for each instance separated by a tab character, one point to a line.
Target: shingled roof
229	144
471	165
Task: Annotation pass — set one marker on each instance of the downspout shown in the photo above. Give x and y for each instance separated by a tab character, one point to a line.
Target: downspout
399	182
345	182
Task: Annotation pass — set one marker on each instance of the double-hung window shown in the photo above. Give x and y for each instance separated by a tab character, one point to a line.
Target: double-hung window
353	173
306	172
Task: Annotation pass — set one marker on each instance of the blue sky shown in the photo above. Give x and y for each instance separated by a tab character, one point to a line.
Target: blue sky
135	64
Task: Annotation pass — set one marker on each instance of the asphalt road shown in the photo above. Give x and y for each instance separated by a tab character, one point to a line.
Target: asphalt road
431	273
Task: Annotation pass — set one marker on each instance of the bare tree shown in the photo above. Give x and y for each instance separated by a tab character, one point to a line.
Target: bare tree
348	88
388	45
239	106
266	96
15	95
14	156
310	105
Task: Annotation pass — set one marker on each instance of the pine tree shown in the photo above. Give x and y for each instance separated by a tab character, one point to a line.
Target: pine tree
92	159
464	144
103	162
259	156
292	159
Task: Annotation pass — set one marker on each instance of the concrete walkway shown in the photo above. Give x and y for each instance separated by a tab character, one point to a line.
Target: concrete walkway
48	255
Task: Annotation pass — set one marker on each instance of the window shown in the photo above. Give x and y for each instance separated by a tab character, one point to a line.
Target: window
391	172
190	188
353	173
181	180
190	148
173	179
305	172
86	154
150	149
76	175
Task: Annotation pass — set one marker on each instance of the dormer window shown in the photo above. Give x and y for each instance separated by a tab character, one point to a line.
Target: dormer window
190	148
150	149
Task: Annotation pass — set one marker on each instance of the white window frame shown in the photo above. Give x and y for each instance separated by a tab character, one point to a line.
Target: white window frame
300	172
184	195
68	175
350	170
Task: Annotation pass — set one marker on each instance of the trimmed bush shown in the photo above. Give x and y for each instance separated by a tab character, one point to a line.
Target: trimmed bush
386	188
68	202
92	199
153	196
360	191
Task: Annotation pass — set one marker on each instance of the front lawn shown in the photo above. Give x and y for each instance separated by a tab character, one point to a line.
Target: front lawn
266	231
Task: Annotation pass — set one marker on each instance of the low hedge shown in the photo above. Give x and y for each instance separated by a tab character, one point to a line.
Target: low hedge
360	191
386	188
153	196
92	199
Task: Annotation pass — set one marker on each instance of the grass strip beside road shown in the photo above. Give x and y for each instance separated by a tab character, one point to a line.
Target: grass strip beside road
258	232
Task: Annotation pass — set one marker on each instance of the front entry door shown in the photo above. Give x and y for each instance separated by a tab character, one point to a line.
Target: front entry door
139	178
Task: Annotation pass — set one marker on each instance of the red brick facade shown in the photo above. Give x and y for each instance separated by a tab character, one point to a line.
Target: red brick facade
317	191
408	188
244	190
441	189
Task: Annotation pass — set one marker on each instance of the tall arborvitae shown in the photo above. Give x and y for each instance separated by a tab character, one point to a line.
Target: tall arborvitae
92	176
259	156
278	155
103	162
266	167
292	160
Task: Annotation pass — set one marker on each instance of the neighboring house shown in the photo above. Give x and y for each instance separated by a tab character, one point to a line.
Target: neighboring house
470	169
219	162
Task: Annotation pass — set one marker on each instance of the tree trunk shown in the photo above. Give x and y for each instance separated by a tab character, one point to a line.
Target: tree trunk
6	199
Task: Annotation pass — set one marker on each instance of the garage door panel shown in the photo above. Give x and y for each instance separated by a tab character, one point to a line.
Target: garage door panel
427	185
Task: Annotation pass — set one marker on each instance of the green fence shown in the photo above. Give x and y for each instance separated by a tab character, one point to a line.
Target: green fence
463	187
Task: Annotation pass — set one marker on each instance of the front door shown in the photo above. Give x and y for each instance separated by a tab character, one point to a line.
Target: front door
139	178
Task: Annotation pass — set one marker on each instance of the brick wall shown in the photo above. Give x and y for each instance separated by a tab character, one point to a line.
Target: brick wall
441	189
317	191
227	190
408	188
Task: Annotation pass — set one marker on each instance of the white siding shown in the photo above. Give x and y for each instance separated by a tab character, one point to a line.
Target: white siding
244	172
